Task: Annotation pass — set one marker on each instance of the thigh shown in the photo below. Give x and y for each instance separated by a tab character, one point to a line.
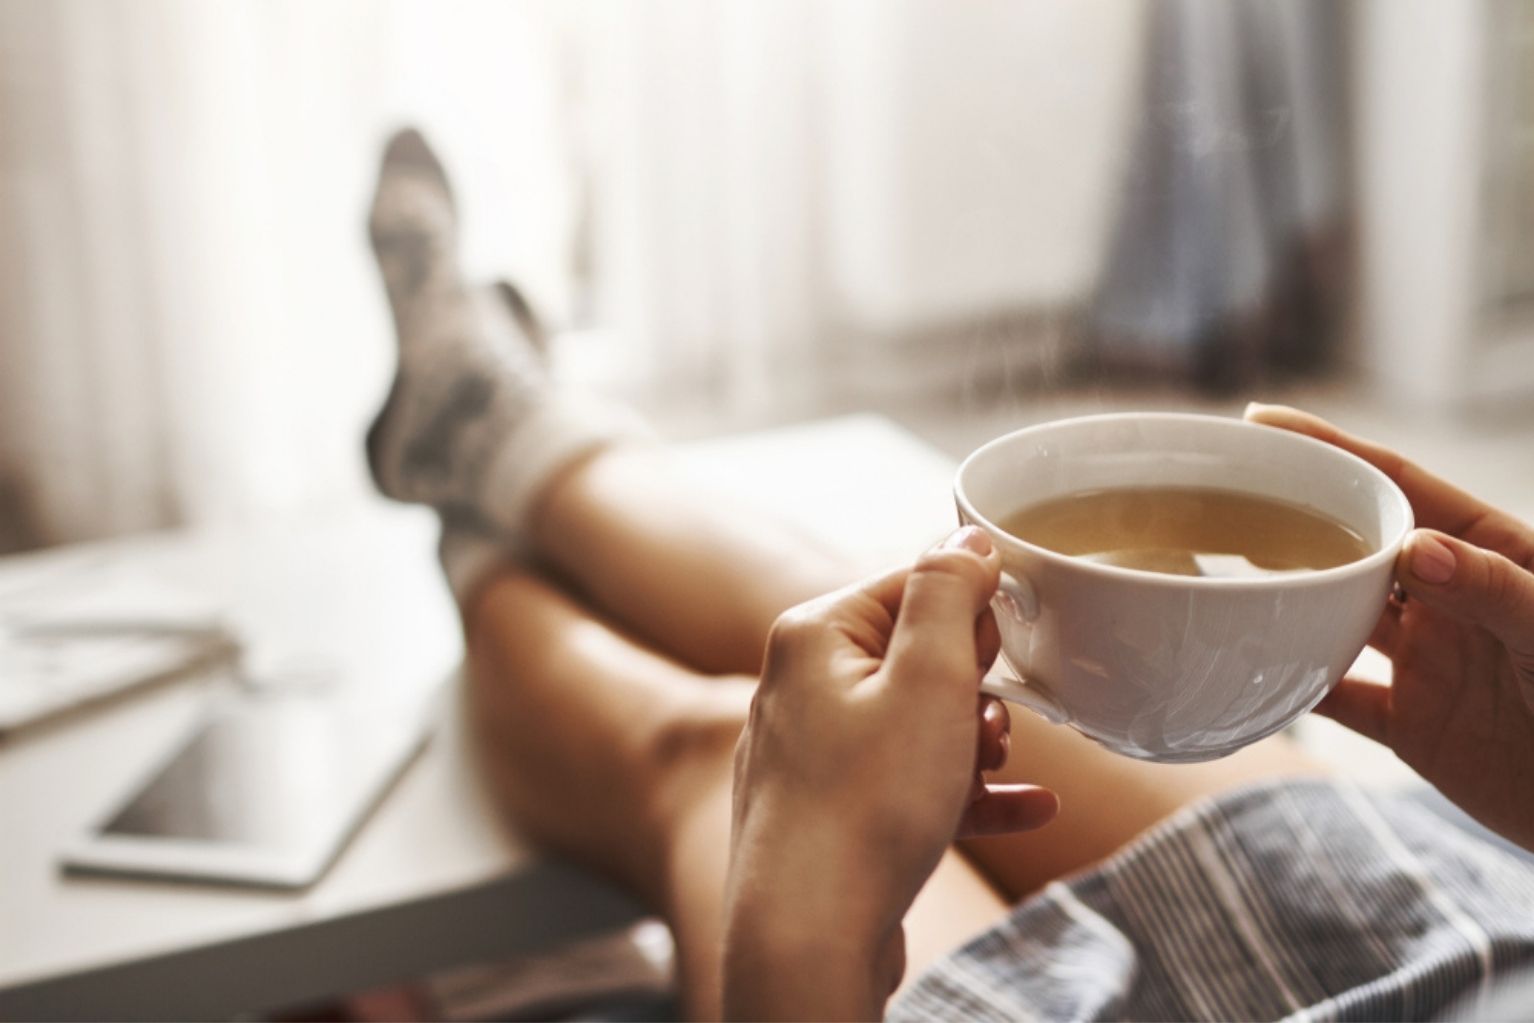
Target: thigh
956	904
1106	800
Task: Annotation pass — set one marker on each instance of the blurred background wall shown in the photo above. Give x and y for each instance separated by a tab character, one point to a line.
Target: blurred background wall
739	213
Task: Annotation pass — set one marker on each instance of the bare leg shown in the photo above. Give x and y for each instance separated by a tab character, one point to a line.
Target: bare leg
689	571
621	759
1106	800
704	583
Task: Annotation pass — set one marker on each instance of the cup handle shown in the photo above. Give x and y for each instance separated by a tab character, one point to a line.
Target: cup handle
1017	690
1016	598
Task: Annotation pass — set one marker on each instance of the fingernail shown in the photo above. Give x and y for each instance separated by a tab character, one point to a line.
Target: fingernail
1259	408
1432	561
970	538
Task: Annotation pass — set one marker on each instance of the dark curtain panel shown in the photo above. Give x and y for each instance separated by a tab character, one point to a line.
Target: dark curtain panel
1227	258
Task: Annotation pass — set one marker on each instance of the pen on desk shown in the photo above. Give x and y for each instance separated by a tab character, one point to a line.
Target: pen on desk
85	628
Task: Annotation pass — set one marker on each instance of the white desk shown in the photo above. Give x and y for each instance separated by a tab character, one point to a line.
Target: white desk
432	879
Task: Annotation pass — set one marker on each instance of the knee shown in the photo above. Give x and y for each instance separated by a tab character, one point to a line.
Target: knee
702	730
506	597
519	623
691	751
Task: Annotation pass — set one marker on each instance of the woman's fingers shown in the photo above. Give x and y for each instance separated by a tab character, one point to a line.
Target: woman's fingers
885	589
1471	584
1387	631
864	613
1436	502
1007	808
995	735
987	640
935	641
1363	707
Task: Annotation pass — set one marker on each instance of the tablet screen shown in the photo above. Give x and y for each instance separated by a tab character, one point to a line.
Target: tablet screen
276	778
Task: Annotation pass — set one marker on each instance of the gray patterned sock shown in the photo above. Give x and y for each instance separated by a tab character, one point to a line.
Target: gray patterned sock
471	426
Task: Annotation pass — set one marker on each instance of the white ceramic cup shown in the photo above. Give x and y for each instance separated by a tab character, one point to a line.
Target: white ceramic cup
1177	668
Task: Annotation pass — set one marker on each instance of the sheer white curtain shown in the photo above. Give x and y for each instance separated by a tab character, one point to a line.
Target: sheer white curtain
190	328
773	178
707	161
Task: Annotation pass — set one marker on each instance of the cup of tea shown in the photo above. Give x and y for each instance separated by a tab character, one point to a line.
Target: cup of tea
1174	586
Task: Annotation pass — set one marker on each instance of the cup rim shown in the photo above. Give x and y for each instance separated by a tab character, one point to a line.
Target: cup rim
1387	552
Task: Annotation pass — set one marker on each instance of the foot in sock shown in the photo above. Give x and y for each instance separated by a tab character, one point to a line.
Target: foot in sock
413	224
471	425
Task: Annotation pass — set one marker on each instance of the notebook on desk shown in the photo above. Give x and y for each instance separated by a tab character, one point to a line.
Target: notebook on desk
69	642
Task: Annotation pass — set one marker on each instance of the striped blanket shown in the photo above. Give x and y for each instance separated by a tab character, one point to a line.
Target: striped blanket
1285	900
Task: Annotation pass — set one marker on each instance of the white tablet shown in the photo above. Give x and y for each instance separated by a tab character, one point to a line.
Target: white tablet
264	794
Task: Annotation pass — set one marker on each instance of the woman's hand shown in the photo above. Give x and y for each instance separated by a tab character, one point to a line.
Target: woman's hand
858	767
1460	706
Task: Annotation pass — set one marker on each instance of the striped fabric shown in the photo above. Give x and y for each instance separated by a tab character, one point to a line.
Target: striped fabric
1286	900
